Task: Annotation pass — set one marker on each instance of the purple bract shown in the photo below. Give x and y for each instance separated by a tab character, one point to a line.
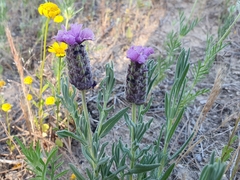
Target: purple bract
139	54
75	35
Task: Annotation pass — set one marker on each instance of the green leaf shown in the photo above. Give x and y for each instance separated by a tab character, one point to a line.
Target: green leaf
60	174
140	168
76	172
175	125
65	133
182	148
108	125
45	87
168	172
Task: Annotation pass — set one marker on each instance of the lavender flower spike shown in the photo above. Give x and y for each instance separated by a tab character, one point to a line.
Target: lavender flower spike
139	54
136	81
79	70
76	35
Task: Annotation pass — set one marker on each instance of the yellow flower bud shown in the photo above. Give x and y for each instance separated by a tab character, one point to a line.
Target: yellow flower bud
58	19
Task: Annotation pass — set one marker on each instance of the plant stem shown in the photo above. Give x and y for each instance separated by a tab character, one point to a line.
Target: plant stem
58	89
192	10
228	30
134	120
40	109
89	132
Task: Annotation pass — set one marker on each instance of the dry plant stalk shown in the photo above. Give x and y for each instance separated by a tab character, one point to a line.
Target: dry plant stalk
211	99
27	111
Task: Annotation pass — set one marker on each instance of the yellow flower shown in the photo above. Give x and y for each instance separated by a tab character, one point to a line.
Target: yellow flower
2	83
58	49
6	107
28	80
58	19
29	97
73	177
50	100
49	9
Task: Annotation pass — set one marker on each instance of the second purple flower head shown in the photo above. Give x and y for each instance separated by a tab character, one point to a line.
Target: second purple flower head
139	54
136	80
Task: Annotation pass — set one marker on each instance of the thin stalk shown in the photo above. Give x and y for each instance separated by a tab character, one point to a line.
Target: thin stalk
89	134
134	120
130	4
163	161
8	123
40	110
192	10
58	88
228	30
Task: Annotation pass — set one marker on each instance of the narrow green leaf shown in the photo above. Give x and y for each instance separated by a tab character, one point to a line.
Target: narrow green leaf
65	133
182	148
60	174
168	172
108	125
76	172
45	87
140	168
173	128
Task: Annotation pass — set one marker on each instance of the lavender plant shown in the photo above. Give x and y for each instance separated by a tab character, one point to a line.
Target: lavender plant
127	161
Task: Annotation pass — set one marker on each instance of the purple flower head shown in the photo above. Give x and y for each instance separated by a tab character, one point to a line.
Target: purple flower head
139	54
75	35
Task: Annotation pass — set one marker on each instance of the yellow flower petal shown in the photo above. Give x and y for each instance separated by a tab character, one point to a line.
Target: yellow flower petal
58	49
6	107
28	80
58	19
50	100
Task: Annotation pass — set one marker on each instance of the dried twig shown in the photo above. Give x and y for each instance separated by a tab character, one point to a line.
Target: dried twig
211	99
27	111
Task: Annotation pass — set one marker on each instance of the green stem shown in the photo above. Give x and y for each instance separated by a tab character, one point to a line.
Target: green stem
101	117
89	132
163	160
193	9
134	120
58	89
228	30
40	110
8	124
